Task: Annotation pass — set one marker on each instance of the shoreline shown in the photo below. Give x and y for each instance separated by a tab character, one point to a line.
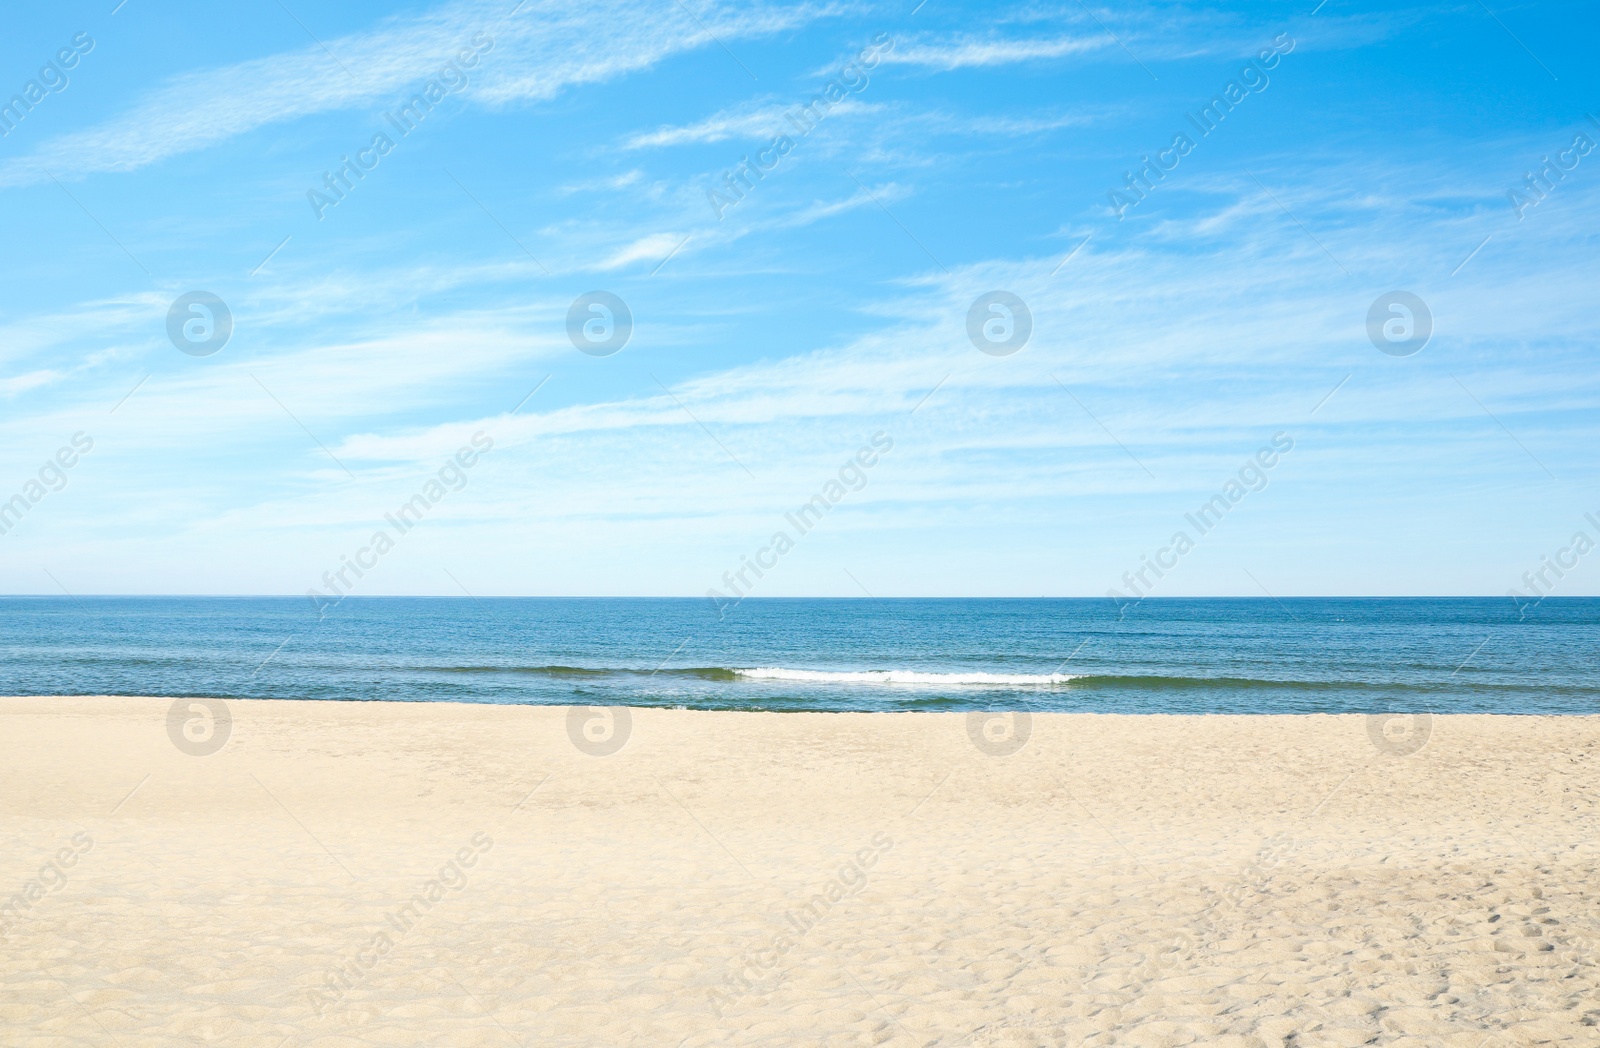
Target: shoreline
1032	712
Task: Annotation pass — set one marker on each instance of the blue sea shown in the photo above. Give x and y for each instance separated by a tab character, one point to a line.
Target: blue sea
1301	655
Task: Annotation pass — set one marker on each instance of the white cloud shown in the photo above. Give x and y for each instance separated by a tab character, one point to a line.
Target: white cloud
615	182
654	248
1188	352
547	46
746	121
1017	126
966	51
820	210
1169	339
10	387
751	121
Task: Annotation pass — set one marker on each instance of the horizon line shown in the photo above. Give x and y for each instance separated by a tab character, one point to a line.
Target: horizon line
601	596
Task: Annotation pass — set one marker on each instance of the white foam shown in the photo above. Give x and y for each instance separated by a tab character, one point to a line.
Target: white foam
967	679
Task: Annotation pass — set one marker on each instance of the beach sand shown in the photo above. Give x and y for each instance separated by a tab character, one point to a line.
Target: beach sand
359	874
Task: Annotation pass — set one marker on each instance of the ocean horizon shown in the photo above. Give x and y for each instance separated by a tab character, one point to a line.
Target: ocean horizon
1163	655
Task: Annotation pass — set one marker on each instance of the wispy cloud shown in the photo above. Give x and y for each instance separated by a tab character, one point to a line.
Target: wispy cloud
10	387
744	121
547	46
961	52
750	121
1174	351
1187	353
608	184
1024	125
653	248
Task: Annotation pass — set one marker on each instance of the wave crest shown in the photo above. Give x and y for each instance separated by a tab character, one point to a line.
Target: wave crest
966	678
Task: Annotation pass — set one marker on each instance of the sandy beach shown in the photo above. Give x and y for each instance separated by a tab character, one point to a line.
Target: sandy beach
369	874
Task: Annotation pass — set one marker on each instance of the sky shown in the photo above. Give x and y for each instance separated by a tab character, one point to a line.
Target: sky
607	291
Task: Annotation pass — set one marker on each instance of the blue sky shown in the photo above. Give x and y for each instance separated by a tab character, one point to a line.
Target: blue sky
966	149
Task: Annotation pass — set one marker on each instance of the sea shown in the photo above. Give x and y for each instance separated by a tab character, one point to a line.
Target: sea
1292	655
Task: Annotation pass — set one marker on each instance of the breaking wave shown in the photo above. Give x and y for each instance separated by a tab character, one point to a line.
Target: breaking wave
967	678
